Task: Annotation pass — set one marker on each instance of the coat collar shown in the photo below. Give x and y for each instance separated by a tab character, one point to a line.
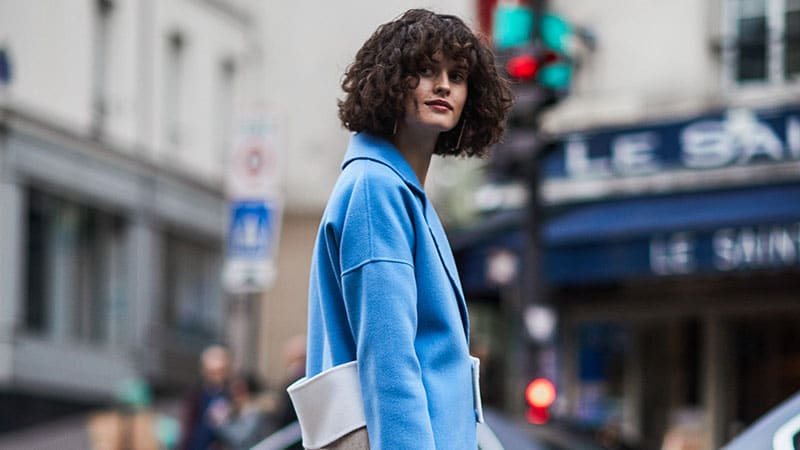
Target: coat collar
369	146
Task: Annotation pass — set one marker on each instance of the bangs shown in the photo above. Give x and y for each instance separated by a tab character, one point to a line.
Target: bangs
441	34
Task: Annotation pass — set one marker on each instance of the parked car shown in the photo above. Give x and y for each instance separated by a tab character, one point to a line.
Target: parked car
778	429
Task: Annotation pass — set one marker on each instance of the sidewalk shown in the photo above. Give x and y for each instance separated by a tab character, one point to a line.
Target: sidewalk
65	434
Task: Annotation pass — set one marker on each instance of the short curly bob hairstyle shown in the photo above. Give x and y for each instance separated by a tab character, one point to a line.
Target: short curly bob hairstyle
387	68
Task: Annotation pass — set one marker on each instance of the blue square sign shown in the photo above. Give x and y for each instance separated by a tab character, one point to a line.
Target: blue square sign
250	231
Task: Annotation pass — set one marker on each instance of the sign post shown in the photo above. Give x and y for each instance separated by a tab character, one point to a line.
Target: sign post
255	207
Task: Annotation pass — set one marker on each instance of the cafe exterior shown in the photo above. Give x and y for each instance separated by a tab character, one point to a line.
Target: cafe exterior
670	254
671	251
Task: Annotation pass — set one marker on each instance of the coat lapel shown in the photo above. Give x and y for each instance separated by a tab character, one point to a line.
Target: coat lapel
366	146
446	256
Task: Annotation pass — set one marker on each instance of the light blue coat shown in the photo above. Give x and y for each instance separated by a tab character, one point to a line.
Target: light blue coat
384	291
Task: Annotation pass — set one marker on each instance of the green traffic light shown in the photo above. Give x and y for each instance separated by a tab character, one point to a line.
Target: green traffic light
556	33
556	76
513	25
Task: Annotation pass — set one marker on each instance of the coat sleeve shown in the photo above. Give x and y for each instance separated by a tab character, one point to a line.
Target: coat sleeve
380	294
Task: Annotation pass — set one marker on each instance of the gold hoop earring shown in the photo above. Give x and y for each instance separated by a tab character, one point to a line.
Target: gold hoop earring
461	134
394	130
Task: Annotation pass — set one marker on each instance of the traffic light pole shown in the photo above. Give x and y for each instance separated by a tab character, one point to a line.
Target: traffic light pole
542	363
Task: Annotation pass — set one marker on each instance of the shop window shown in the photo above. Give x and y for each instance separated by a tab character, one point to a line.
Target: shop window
603	351
766	361
765	40
671	356
76	278
193	304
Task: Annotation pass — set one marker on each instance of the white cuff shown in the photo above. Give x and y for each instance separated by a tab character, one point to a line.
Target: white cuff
328	405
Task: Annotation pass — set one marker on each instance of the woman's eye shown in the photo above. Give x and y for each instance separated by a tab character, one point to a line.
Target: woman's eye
458	77
426	71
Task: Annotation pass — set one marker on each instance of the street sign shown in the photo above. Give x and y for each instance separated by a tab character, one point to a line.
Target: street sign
253	170
251	246
253	191
250	230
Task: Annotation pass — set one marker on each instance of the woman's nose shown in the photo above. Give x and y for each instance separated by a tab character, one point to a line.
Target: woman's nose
442	84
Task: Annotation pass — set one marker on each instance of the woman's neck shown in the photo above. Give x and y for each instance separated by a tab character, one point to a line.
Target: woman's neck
417	149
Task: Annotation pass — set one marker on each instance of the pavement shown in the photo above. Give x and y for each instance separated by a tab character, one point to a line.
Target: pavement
70	433
64	434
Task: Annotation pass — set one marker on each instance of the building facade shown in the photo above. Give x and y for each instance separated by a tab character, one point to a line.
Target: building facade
115	119
668	225
671	231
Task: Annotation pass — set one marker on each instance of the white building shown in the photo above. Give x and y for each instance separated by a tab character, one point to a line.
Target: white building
113	133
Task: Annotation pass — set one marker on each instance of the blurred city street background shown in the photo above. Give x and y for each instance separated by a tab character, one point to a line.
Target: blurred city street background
630	253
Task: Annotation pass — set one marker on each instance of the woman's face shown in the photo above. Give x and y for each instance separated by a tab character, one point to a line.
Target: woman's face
438	100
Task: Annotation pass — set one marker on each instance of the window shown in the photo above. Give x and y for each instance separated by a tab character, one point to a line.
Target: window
193	303
765	45
791	48
102	54
224	111
751	27
173	87
76	277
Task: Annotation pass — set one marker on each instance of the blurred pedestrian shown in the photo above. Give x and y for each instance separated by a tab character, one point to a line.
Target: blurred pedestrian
384	287
294	354
131	425
207	405
246	423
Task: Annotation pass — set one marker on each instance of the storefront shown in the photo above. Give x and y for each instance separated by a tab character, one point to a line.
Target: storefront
672	251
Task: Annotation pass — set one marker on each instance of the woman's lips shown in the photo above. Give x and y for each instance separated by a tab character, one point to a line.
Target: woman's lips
440	105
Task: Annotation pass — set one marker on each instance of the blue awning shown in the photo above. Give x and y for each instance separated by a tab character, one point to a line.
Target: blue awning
626	219
724	231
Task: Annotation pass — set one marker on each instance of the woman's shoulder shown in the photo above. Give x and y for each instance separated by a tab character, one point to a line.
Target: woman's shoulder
372	172
370	180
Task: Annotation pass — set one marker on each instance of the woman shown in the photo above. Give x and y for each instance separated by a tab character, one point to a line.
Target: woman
384	290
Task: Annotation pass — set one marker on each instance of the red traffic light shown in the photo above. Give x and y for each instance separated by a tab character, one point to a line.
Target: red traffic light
523	67
526	67
537	416
541	393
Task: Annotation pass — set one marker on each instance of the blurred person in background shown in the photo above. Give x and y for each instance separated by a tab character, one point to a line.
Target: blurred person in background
246	422
294	353
207	405
131	425
384	287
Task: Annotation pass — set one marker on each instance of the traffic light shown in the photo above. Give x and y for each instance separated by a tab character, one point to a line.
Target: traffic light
540	395
514	157
542	40
532	52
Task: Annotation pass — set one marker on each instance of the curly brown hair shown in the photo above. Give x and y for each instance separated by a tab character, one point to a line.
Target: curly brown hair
387	67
